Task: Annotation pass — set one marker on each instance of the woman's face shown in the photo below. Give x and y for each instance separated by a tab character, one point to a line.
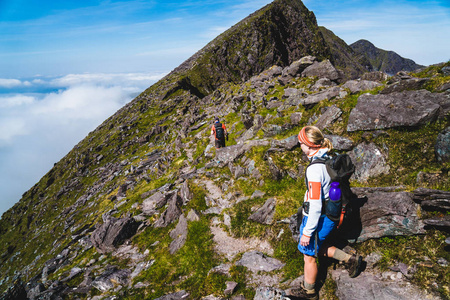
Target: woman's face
305	148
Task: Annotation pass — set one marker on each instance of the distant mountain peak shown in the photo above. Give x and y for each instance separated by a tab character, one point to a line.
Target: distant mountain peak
382	60
277	34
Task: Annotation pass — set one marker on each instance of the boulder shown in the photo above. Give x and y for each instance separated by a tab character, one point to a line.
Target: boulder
297	67
185	193
296	118
320	96
264	214
289	143
175	296
172	212
111	278
442	146
370	286
230	153
179	235
256	262
113	232
356	86
328	117
269	293
154	202
441	223
340	143
369	162
375	76
323	69
378	213
404	109
405	85
430	199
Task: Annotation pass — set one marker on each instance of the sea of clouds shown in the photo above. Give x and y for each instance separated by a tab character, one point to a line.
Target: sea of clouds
43	118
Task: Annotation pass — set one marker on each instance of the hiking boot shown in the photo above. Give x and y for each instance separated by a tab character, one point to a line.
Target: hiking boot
353	265
302	293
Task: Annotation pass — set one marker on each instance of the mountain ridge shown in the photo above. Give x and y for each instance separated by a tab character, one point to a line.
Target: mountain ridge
382	60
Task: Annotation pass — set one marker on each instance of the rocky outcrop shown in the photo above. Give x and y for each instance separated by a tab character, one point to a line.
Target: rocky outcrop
264	214
112	233
256	261
404	109
369	162
442	147
380	213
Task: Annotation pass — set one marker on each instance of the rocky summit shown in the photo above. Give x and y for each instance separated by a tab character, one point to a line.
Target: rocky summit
145	207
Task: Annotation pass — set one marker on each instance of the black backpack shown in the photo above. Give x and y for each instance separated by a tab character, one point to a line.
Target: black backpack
219	131
340	168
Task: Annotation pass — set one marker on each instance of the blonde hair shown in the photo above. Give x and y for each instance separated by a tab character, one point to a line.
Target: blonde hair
316	137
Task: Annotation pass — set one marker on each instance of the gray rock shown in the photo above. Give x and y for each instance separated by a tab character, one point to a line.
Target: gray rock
296	117
297	67
277	173
288	143
430	199
356	86
340	143
256	261
175	296
405	85
111	278
179	235
291	92
442	146
375	76
394	110
230	153
322	83
442	223
231	286
384	214
369	162
323	69
185	193
320	96
247	119
113	232
264	214
257	194
154	202
328	117
269	293
193	216
369	286
172	212
373	259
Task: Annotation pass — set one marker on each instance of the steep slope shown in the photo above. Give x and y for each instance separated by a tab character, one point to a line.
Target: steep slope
277	34
382	60
344	57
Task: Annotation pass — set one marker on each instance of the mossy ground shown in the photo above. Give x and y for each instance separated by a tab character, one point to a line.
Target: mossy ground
31	226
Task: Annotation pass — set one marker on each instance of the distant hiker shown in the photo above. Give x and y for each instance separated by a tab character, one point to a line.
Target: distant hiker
220	132
316	226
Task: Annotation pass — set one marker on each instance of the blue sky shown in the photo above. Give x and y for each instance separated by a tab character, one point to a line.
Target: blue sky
66	66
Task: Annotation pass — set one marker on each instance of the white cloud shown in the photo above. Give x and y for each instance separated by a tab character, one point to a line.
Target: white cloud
37	130
10	83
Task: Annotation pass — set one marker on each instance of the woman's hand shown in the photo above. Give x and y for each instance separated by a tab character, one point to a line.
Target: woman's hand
304	240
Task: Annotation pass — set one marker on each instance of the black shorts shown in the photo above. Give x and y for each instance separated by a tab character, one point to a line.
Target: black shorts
220	143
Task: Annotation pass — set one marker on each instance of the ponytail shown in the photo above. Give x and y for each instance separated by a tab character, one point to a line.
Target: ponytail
313	137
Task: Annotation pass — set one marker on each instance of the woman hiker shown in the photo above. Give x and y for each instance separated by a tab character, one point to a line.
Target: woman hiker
316	226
